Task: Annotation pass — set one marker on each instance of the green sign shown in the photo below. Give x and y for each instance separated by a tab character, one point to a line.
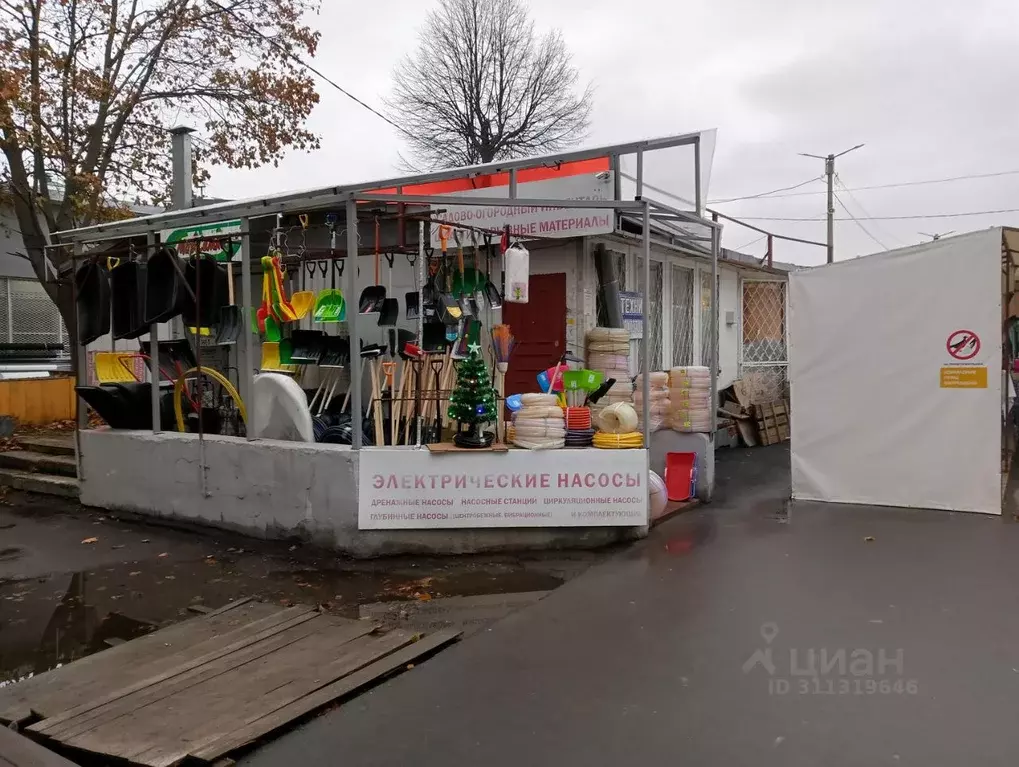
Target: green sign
210	239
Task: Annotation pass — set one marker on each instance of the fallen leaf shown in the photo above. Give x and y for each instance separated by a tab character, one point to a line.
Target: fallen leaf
410	666
91	540
210	560
145	540
870	539
136	572
164	554
170	577
118	546
423	597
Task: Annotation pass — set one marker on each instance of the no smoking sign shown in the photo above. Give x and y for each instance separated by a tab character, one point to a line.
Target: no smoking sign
963	345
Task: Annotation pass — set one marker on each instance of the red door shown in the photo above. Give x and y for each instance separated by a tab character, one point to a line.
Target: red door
539	327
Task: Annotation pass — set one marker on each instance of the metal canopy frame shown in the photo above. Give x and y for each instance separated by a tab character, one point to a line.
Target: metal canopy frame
302	202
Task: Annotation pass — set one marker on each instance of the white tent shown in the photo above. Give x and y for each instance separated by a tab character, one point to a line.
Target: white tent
895	364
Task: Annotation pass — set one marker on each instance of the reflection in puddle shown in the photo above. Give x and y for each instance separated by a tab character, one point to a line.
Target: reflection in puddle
54	620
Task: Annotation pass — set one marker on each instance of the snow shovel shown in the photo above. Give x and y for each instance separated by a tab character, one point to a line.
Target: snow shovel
461	292
492	294
307	346
412	298
229	328
373	296
303	301
389	310
331	306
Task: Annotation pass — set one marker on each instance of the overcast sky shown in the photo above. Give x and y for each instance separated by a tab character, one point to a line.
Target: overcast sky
927	85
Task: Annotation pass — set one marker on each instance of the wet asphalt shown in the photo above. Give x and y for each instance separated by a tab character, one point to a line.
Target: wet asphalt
73	580
748	632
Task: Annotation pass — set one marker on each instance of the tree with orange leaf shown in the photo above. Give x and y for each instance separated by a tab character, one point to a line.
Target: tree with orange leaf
89	87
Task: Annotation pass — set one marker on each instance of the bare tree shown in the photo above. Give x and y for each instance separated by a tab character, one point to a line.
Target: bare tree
483	86
88	87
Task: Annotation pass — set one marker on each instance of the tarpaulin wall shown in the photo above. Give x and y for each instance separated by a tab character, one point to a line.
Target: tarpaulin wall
895	368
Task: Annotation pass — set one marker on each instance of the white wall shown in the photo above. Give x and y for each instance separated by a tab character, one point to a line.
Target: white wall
273	489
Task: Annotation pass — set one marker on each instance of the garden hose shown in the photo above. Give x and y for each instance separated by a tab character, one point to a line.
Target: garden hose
619	418
215	375
619	441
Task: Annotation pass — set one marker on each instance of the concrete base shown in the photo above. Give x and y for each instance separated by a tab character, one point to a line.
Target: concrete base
276	489
668	441
46	484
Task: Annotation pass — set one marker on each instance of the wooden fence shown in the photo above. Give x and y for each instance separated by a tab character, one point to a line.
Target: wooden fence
39	400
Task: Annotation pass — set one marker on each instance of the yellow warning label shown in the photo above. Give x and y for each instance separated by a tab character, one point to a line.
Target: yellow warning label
964	377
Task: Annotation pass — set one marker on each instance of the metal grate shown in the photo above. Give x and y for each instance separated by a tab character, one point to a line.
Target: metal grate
764	356
654	314
707	301
682	316
763	322
5	320
33	316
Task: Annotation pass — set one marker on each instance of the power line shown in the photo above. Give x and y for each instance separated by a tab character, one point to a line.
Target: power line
313	70
752	242
902	184
859	205
890	218
865	230
767	194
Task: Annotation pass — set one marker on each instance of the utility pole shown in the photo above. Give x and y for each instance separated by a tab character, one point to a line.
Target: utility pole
829	171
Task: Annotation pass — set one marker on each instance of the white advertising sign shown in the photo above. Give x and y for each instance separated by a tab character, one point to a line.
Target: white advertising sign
525	221
417	490
206	238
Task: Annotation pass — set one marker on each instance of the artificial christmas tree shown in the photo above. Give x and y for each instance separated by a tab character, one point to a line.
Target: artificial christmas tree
472	403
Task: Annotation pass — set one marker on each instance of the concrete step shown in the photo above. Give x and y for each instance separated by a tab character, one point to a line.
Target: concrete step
49	445
39	463
39	483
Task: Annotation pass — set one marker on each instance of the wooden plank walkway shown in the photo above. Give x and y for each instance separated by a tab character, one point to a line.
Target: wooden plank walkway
208	686
17	751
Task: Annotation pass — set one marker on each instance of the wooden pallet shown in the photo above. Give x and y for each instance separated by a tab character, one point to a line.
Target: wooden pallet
772	422
206	687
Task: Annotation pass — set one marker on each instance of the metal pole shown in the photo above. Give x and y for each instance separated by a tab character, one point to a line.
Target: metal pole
181	193
352	323
80	364
421	318
617	178
698	200
829	170
246	367
771	249
644	358
513	184
716	237
640	174
154	374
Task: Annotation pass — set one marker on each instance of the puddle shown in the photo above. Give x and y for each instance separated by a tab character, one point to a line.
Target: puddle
56	619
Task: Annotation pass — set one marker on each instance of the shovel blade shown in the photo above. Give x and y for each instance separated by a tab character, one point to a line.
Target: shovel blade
389	312
229	328
413	306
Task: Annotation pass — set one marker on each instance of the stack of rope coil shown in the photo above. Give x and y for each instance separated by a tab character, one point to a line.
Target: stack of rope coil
540	423
660	406
578	427
690	399
617	428
608	351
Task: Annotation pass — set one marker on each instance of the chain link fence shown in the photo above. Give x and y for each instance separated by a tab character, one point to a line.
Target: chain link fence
682	316
764	355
